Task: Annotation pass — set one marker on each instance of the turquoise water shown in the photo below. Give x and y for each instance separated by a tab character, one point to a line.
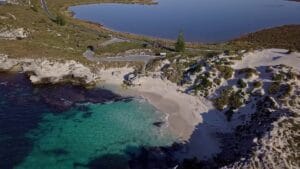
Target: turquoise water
200	20
62	141
65	126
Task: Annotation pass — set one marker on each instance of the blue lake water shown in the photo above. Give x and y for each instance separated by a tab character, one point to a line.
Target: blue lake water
41	129
200	20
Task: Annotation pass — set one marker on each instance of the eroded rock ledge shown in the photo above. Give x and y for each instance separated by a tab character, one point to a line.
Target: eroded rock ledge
42	71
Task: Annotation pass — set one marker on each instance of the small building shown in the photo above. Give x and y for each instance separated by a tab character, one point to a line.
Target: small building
3	2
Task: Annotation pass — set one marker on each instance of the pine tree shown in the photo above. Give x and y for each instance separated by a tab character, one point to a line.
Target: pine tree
180	44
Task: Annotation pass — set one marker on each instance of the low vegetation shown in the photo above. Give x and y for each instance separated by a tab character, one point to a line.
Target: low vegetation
60	20
226	71
257	84
274	88
284	37
229	98
241	83
249	72
202	83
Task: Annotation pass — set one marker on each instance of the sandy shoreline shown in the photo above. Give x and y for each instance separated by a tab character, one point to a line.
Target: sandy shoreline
183	110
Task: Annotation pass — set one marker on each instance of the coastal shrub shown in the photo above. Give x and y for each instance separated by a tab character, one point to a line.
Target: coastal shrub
211	54
217	81
290	75
206	83
60	20
257	84
222	101
180	44
229	98
241	83
173	72
226	71
249	72
278	77
292	102
235	100
203	83
195	68
274	88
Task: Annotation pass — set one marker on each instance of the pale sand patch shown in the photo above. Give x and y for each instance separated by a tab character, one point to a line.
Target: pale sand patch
183	109
269	57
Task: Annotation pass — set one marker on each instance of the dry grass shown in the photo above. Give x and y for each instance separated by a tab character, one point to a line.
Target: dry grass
286	37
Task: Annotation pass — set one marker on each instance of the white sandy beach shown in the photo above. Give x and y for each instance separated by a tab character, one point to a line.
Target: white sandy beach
183	110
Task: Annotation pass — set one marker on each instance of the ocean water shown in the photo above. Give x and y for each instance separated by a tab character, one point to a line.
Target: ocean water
38	133
200	20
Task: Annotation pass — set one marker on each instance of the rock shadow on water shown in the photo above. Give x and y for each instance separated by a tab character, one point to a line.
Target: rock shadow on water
107	161
19	114
63	97
22	106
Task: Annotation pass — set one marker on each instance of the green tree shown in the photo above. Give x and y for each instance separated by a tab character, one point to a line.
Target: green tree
60	20
241	83
180	44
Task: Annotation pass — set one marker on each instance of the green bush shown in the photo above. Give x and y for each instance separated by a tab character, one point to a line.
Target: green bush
201	84
235	100
217	81
257	84
278	77
180	44
249	72
229	98
223	100
290	75
226	71
241	83
220	103
274	88
60	20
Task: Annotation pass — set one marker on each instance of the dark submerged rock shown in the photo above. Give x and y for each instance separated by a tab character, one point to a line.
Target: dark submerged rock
159	123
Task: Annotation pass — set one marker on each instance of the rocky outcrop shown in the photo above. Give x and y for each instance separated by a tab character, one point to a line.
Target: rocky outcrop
45	71
13	34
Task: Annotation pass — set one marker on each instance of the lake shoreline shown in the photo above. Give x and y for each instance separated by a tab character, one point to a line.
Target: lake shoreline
103	26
